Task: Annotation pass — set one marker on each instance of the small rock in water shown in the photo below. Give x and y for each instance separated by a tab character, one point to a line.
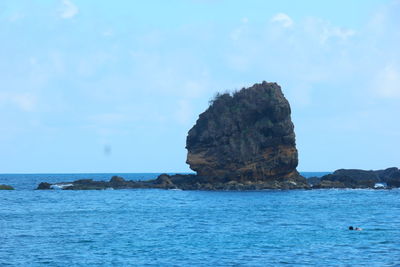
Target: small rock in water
6	187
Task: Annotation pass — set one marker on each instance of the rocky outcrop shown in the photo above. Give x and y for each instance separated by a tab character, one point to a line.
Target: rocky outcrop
165	181
243	141
6	187
246	137
353	178
115	182
389	178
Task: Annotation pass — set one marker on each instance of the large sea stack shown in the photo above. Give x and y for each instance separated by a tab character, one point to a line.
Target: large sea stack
245	136
243	141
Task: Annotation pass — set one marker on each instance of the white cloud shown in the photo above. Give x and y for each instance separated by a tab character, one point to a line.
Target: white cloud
387	82
283	19
69	10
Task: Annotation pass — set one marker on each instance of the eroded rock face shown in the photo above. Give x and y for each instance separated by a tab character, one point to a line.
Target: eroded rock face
247	136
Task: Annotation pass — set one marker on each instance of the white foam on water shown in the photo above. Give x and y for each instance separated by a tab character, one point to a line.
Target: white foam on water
60	186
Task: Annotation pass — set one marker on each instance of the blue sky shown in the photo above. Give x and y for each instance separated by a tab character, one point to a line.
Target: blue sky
114	86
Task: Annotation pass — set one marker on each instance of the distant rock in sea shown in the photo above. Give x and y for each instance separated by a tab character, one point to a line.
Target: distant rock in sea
6	187
353	178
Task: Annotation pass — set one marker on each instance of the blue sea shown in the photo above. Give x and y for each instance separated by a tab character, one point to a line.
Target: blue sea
150	227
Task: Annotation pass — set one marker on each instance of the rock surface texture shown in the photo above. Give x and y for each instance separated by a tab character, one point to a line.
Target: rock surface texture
247	136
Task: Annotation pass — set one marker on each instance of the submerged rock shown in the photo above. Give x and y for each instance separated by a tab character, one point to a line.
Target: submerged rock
247	136
6	187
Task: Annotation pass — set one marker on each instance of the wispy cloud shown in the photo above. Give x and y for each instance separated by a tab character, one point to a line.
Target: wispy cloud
283	19
69	10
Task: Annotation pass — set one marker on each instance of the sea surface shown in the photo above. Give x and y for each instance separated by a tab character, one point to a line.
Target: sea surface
150	227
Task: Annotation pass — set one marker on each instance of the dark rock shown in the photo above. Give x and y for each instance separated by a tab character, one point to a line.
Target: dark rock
84	181
353	178
313	181
390	176
117	179
247	136
44	186
6	187
326	184
117	182
164	181
84	184
194	182
338	179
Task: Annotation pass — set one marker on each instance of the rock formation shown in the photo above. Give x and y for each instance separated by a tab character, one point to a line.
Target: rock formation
352	178
389	178
247	136
115	182
243	141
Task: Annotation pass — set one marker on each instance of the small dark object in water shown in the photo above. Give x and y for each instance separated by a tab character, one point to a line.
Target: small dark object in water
6	187
355	229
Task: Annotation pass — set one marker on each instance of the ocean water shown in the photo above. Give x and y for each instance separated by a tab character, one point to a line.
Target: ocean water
195	228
